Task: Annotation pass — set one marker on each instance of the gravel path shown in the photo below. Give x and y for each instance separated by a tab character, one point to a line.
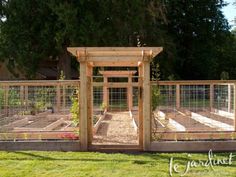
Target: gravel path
116	128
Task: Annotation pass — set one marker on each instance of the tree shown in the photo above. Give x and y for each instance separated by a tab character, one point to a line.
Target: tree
194	33
37	30
26	40
199	29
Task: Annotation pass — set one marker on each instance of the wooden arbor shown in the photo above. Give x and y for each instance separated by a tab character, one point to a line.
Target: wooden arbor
90	57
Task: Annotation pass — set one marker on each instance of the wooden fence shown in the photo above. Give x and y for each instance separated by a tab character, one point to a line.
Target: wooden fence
38	110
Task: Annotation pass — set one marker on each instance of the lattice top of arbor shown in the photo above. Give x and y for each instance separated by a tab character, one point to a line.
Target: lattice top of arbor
114	56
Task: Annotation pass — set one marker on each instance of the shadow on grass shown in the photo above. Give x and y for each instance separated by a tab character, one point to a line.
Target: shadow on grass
133	158
152	158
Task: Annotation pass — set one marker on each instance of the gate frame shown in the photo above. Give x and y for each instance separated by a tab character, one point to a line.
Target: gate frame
90	57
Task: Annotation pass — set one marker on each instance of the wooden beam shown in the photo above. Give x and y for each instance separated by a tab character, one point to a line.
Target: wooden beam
194	146
130	93
117	73
90	105
177	96
73	50
39	83
201	135
113	59
6	100
58	98
117	55
146	106
229	98
105	91
83	123
195	82
115	64
140	106
114	84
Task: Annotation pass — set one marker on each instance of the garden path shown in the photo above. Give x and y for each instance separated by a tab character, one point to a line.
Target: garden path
116	128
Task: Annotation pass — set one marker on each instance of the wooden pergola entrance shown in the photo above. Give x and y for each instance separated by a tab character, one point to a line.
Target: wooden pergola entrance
90	57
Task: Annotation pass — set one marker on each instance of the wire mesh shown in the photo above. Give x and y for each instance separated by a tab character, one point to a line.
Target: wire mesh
38	108
224	98
99	106
118	99
192	111
195	97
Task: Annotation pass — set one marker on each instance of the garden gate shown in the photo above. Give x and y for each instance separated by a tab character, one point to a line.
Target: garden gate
91	57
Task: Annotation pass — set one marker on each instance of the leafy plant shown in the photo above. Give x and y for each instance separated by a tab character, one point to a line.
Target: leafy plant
75	108
62	76
103	106
224	75
155	97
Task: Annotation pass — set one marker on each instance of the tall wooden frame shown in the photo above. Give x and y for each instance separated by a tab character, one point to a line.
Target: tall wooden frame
90	57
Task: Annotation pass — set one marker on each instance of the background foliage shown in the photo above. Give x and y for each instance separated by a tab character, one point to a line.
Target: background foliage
194	33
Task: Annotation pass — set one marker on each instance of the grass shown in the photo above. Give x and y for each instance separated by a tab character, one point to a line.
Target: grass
60	164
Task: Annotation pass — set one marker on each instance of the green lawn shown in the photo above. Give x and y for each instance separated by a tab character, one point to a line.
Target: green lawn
63	164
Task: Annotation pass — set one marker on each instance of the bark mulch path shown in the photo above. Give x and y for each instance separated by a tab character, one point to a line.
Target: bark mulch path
116	128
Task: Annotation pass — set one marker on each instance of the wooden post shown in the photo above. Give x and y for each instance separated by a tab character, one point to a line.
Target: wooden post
229	98
89	104
130	93
146	106
58	98
211	97
105	91
83	100
22	96
140	106
177	96
26	97
6	103
63	97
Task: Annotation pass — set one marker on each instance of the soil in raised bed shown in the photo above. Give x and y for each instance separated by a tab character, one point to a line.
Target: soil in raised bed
189	123
217	117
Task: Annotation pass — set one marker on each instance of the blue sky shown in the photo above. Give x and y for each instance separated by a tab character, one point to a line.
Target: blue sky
230	11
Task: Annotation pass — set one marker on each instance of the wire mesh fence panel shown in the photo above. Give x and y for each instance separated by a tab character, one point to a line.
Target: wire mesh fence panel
224	98
195	97
135	106
39	110
118	99
115	108
163	102
192	111
99	106
135	96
